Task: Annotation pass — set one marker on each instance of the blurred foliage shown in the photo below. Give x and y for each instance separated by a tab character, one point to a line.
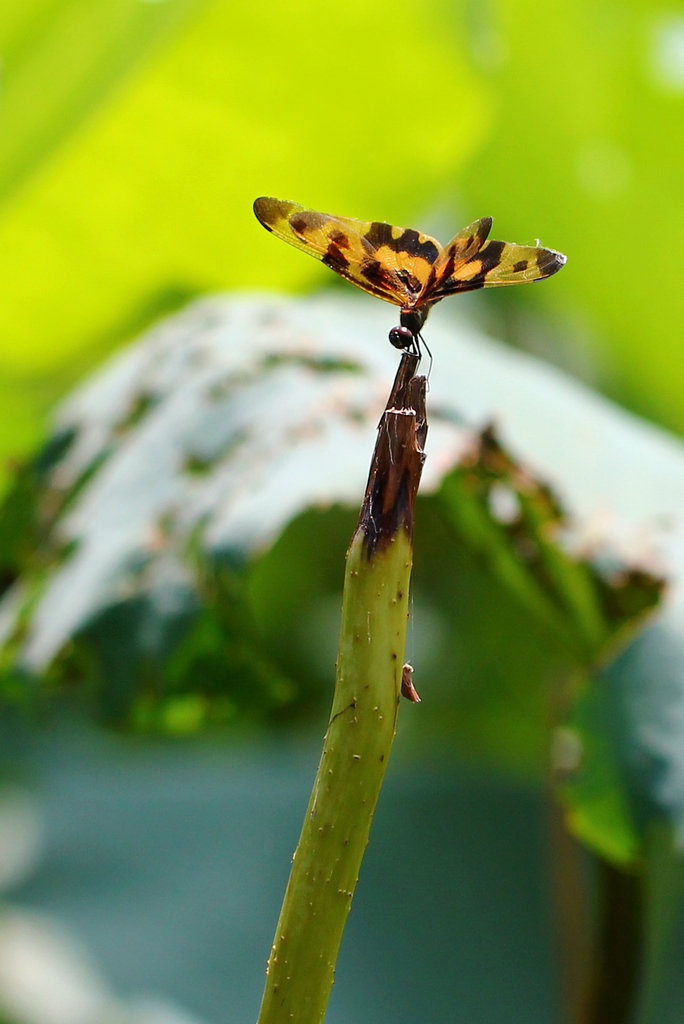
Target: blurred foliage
136	134
587	148
178	547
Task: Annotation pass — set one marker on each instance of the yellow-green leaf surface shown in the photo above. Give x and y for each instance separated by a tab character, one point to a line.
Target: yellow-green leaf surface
135	136
587	147
149	197
60	59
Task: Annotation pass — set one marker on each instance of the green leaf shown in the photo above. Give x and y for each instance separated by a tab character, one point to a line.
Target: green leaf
573	157
592	781
151	197
61	60
178	573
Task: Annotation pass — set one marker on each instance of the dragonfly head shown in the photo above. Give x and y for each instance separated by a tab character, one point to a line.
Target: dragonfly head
404	336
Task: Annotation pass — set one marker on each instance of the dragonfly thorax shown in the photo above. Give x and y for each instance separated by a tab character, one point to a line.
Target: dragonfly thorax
413	319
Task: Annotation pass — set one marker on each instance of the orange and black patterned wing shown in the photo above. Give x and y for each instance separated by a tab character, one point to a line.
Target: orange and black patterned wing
492	264
464	246
456	254
391	262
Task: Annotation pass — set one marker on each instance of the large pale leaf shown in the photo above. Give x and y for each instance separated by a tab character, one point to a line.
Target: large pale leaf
175	469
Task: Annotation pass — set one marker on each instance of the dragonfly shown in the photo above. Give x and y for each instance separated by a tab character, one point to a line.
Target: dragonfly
404	266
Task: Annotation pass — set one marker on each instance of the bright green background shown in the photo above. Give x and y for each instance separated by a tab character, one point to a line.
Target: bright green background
135	135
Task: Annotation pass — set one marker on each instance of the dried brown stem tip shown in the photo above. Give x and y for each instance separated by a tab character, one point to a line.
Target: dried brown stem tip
397	462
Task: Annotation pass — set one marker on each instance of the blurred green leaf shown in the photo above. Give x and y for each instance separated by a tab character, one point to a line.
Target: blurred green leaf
154	191
61	59
588	152
592	780
184	572
136	135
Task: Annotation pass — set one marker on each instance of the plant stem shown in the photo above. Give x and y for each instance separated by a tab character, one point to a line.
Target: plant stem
617	973
603	971
362	723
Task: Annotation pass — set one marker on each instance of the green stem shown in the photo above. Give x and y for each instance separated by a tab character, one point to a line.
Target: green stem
617	974
359	737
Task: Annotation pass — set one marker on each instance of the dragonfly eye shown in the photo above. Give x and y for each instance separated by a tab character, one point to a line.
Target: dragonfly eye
401	337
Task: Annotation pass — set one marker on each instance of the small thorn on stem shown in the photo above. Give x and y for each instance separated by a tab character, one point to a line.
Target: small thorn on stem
408	690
